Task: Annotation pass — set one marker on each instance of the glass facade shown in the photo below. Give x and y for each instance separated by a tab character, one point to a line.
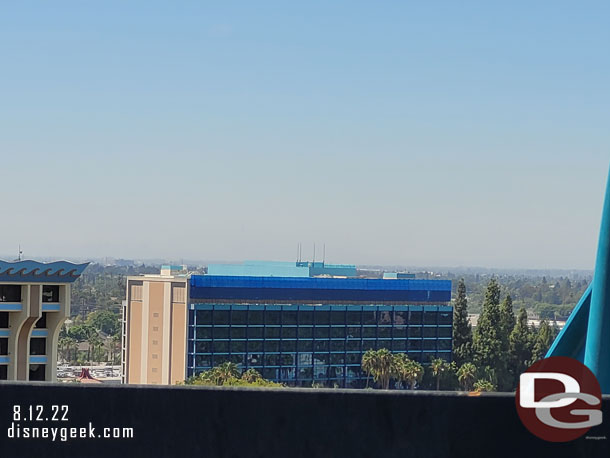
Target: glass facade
304	344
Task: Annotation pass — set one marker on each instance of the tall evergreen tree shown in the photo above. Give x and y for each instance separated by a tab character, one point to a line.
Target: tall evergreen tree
507	321
542	342
487	343
462	330
520	350
506	325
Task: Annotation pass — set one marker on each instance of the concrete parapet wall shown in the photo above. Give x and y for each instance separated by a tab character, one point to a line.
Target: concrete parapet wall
217	423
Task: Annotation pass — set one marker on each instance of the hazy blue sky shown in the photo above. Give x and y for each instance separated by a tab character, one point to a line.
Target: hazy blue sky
437	133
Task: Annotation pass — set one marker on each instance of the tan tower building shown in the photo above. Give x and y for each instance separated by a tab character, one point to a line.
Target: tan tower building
34	303
154	328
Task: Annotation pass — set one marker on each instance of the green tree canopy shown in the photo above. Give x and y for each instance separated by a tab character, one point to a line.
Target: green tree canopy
462	330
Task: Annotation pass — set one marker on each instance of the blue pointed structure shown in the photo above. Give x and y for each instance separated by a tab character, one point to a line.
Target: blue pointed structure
586	335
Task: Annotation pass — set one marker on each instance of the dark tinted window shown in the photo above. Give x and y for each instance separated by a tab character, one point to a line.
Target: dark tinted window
3	319
10	293
50	293
38	346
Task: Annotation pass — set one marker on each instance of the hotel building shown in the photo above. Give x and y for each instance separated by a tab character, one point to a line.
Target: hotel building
296	330
34	303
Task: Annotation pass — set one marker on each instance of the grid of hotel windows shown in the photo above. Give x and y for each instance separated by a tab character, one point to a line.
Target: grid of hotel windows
305	344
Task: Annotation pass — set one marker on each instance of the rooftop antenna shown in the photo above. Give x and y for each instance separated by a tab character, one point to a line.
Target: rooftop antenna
20	253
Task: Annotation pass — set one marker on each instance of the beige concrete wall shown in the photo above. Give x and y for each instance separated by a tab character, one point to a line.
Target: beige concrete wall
156	304
134	349
178	347
156	331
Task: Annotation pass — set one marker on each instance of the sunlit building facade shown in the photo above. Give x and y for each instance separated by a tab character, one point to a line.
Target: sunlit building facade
294	330
34	303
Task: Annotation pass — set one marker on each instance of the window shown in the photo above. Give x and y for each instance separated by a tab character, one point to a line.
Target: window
337	358
272	345
289	333
368	317
272	333
337	345
203	361
289	345
289	317
271	360
306	317
369	332
255	317
255	333
354	332
10	293
221	317
415	344
3	319
136	292
204	317
415	318
353	358
239	317
3	372
221	333
337	333
238	333
50	293
415	332
401	318
384	317
305	345
430	331
444	344
203	347
384	332
4	346
321	333
238	346
337	317
38	346
42	321
444	332
321	345
353	345
353	318
321	317
221	347
430	344
445	318
204	333
272	317
305	332
430	317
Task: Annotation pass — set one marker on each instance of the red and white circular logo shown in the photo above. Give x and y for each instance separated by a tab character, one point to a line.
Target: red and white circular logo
559	399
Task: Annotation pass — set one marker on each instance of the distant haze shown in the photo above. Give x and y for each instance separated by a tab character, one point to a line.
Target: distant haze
444	134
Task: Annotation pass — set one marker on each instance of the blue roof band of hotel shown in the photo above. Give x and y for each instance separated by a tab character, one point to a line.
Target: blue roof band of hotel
37	272
319	289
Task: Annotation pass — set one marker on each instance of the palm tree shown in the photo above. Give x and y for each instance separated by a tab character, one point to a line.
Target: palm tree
251	375
368	364
466	375
226	371
385	367
438	366
414	373
94	341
